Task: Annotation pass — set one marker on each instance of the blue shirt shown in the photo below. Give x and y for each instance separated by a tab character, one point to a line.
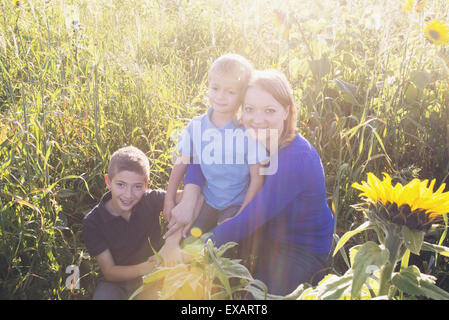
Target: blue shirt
224	155
290	208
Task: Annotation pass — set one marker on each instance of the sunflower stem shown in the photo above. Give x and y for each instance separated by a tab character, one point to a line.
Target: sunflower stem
393	243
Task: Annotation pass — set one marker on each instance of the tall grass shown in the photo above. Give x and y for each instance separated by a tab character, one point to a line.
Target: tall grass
80	79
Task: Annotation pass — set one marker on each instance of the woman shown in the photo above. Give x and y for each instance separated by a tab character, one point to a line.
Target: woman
288	225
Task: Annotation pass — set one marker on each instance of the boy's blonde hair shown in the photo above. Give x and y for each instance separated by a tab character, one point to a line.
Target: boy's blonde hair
276	84
129	159
233	66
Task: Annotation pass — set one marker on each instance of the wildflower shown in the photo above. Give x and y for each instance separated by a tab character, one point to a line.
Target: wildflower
437	32
418	5
414	205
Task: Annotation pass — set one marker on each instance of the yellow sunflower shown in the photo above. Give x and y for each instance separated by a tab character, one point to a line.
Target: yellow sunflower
437	32
418	5
415	205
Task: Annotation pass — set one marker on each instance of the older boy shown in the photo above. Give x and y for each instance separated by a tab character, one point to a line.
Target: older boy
121	229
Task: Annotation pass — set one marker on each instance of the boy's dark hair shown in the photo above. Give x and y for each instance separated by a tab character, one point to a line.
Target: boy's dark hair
129	159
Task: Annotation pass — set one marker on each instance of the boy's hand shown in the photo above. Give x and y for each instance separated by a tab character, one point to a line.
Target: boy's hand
181	217
168	207
172	254
150	264
154	261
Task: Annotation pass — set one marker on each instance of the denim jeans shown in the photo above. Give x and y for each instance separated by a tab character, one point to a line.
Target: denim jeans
282	267
209	217
108	290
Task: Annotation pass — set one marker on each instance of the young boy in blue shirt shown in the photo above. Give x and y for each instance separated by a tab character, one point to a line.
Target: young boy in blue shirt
229	157
120	231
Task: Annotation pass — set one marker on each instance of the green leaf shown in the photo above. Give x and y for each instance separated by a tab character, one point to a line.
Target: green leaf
135	293
348	60
156	275
220	273
348	91
444	251
352	252
405	259
349	98
413	239
296	293
260	291
411	93
369	257
420	78
443	236
342	252
348	235
411	281
232	269
320	67
333	287
225	247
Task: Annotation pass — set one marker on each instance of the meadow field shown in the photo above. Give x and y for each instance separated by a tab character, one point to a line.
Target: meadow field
81	78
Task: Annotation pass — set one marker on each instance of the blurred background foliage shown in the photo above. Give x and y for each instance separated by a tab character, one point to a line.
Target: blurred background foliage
80	79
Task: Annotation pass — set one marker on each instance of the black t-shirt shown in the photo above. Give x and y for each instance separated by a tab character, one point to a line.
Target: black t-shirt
128	241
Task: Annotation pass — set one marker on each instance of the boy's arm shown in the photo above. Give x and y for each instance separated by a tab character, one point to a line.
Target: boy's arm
115	273
193	183
255	184
176	176
186	211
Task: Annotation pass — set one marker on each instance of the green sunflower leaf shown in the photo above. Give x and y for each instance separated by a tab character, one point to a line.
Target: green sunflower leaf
369	258
332	287
348	235
444	251
411	281
413	239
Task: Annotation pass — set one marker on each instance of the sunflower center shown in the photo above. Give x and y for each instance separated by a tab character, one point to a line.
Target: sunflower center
434	34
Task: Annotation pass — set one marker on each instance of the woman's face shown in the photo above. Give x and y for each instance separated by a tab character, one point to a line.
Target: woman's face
264	114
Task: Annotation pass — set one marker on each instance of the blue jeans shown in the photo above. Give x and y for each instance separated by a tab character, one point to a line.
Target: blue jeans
209	217
108	290
282	267
286	267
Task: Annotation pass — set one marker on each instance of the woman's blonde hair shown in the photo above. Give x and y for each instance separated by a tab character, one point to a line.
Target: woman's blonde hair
276	84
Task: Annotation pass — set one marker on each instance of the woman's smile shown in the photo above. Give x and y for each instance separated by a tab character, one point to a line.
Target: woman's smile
263	114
